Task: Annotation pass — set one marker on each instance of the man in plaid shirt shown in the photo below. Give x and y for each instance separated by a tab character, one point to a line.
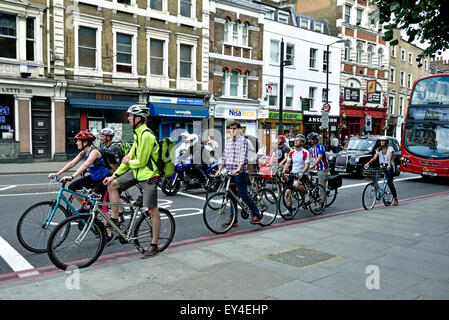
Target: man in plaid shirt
235	160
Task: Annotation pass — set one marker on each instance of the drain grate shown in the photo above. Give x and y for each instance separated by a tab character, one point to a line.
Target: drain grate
300	257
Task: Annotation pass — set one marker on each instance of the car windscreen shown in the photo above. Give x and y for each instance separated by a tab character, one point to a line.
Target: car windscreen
360	144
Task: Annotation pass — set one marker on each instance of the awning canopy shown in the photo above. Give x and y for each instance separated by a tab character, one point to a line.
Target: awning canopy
178	110
100	104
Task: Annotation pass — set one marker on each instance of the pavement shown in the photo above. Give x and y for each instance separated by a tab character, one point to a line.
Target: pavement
388	253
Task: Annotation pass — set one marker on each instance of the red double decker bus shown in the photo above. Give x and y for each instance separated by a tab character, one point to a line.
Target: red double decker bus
425	138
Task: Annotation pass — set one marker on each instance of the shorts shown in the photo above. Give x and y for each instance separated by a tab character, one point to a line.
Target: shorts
97	186
291	179
149	188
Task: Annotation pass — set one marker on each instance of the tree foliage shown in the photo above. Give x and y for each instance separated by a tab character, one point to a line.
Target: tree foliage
423	20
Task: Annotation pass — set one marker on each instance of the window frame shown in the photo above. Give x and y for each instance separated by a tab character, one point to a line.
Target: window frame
312	96
359	52
275	89
347	14
16	39
277	44
289	98
313	58
192	9
192	71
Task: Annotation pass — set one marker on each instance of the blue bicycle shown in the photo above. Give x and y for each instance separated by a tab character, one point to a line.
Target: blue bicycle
38	221
373	192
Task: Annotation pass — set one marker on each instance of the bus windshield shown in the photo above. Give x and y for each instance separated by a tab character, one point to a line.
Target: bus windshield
427	139
431	91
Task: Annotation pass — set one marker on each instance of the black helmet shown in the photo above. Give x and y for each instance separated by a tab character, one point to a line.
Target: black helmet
313	135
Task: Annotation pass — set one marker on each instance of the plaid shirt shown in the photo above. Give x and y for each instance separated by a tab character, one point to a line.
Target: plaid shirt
235	152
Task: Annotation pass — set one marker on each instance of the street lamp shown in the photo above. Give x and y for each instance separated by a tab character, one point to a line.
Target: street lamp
281	83
327	81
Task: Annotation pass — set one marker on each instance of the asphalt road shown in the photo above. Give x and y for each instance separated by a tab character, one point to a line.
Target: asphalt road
18	192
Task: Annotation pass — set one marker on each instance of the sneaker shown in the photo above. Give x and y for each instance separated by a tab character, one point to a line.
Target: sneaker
227	223
151	252
108	239
82	210
256	219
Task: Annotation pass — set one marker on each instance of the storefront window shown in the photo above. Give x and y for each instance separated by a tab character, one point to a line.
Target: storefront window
6	117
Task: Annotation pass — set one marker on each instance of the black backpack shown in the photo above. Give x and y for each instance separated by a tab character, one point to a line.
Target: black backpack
111	160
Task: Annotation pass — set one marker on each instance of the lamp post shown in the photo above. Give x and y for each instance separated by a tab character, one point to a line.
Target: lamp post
283	63
327	81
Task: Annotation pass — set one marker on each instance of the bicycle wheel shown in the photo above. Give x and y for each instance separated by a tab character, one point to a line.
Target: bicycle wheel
218	209
331	195
388	196
31	231
144	231
70	245
369	196
266	201
289	206
316	202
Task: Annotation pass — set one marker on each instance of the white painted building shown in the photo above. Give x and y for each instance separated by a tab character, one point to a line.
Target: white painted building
305	44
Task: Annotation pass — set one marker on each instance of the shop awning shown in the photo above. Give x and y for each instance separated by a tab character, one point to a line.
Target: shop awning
100	104
178	110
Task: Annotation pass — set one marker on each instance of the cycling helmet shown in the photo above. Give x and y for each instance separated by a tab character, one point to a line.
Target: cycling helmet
85	135
384	138
107	132
281	137
184	135
301	136
313	135
139	110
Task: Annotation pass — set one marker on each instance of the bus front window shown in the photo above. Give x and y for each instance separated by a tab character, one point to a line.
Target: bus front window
427	139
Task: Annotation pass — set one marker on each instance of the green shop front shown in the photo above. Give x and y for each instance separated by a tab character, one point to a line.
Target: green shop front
291	123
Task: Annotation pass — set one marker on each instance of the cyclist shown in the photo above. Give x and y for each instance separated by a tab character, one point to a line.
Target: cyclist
106	136
235	160
93	162
139	166
318	160
300	160
385	154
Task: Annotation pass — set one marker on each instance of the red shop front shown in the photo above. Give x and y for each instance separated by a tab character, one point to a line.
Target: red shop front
353	120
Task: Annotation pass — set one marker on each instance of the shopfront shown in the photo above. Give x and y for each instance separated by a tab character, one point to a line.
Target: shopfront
96	110
28	115
173	115
245	115
313	123
292	124
353	120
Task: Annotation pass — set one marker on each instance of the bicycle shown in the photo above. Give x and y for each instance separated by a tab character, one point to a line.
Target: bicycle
36	223
80	240
373	192
332	184
288	206
215	213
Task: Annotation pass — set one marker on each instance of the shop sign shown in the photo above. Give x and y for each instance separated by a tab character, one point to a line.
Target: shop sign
15	90
317	120
286	115
373	97
263	114
175	100
351	94
241	113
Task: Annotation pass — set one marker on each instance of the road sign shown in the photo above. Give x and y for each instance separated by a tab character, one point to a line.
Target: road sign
326	107
325	120
369	123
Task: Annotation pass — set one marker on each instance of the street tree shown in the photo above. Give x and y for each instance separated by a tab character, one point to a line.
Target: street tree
423	20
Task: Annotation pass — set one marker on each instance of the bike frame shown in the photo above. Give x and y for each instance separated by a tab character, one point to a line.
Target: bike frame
380	191
59	198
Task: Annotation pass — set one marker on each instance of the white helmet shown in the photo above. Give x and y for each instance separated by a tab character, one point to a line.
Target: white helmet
192	138
184	135
139	110
107	132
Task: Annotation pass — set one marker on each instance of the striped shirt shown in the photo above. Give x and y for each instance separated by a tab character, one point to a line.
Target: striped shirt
235	152
314	153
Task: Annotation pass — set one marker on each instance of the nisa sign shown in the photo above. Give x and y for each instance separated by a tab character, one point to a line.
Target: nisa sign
241	113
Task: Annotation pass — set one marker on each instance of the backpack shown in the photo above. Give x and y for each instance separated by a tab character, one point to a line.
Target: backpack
124	146
161	156
110	159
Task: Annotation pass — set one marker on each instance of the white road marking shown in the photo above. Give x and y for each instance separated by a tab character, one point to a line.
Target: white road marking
16	261
6	188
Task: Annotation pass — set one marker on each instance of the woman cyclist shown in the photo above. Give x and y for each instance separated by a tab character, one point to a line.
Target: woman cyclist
93	162
385	154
